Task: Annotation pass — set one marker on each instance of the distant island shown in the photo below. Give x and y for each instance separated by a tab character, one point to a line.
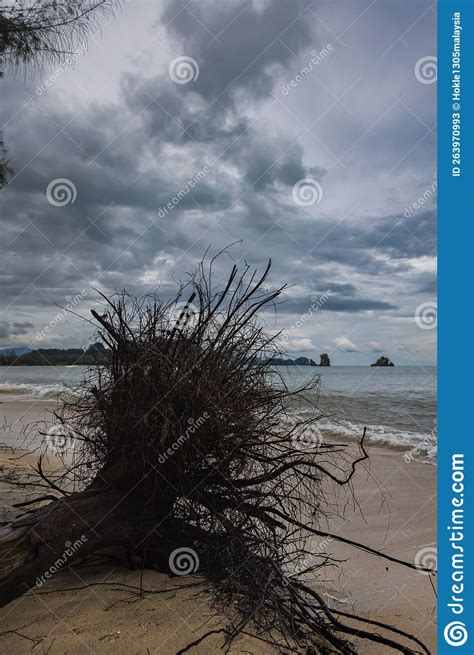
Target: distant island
302	361
383	361
95	354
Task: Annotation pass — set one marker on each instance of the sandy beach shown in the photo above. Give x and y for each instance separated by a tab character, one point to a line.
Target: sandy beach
92	610
21	419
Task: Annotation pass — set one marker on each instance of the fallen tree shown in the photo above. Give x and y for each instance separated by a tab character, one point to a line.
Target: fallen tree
192	455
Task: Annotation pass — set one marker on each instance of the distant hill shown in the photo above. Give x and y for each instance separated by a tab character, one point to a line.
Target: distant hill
16	350
95	354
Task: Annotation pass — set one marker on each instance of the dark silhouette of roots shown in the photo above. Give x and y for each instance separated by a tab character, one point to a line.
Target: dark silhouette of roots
186	449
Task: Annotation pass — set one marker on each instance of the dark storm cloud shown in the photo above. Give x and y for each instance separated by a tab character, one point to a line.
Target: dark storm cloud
338	302
7	330
238	45
238	48
426	284
130	158
107	165
405	237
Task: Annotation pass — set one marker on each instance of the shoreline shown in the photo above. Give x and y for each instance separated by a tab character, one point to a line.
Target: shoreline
17	411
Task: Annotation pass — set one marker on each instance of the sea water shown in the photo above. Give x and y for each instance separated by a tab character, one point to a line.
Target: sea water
397	404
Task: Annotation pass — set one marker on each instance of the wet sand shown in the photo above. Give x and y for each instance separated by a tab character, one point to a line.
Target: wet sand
394	512
19	416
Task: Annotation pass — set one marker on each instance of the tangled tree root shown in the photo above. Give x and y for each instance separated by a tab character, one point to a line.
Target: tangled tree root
189	452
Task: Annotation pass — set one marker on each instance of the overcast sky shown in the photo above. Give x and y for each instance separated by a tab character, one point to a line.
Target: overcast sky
321	170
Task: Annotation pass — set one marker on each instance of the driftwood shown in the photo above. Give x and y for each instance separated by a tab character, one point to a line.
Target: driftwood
187	452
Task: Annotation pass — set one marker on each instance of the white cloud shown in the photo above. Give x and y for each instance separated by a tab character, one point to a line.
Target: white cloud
297	345
375	346
346	345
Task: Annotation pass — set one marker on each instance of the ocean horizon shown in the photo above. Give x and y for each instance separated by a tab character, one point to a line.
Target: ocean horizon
397	404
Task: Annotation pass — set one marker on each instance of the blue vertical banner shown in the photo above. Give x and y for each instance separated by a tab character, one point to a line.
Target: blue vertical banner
455	327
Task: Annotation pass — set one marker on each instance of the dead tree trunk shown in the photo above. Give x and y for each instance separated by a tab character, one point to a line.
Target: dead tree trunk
39	544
